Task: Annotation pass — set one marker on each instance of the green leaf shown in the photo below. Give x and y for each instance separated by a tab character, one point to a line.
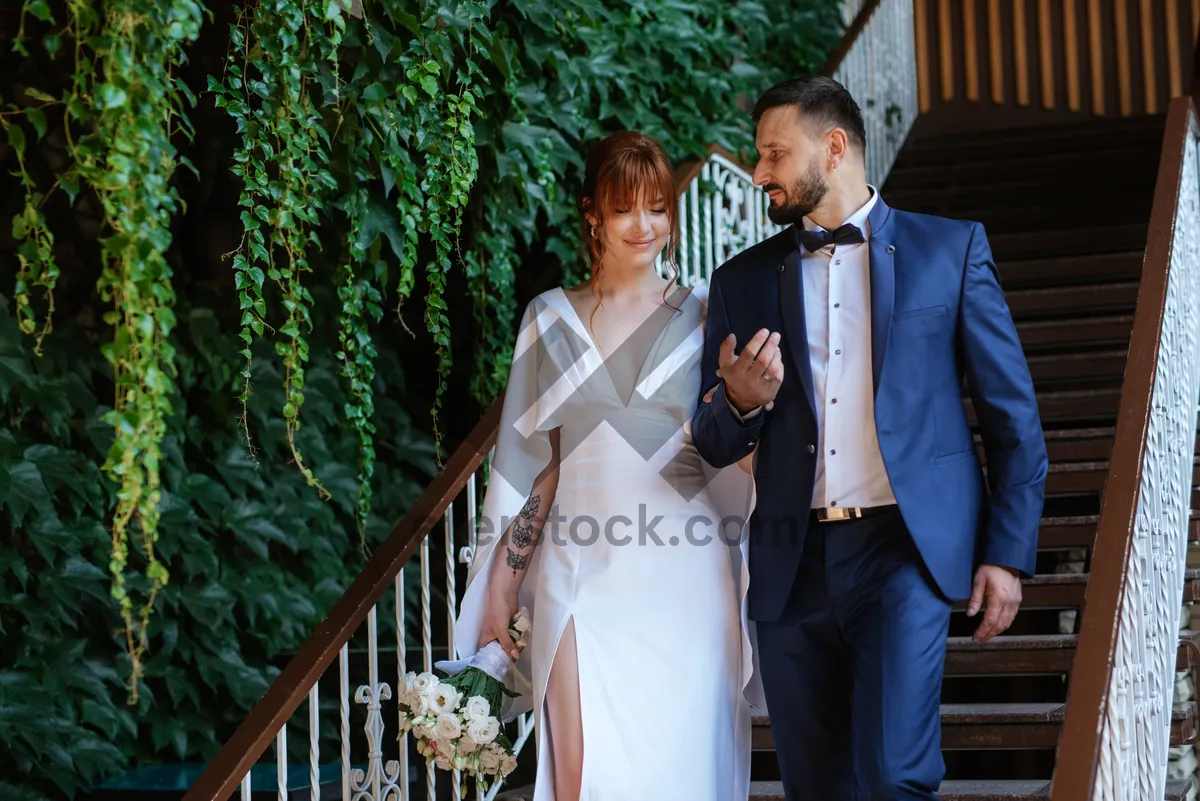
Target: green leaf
37	118
380	218
40	9
16	138
26	490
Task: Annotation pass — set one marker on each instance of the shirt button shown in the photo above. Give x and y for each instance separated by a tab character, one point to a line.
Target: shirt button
839	261
834	400
812	449
837	352
833	452
837	305
833	503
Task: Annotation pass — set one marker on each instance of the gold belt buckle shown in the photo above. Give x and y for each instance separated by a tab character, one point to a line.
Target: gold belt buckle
833	513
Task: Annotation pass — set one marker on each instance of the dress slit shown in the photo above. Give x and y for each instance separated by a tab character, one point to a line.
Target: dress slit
548	745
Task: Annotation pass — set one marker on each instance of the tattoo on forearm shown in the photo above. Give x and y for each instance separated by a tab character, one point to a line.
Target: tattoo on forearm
531	507
517	561
522	533
522	536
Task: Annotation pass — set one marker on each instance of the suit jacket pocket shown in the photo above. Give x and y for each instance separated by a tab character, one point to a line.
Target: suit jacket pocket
926	321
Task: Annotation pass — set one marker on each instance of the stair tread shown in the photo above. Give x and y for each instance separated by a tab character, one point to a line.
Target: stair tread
950	790
974	790
1025	642
1071	269
1014	712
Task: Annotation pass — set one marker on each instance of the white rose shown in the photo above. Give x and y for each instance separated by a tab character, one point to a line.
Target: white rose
447	726
484	730
467	746
443	699
508	763
521	623
410	681
425	683
477	708
489	760
420	704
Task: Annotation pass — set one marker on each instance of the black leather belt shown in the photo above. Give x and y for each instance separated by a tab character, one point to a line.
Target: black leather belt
834	514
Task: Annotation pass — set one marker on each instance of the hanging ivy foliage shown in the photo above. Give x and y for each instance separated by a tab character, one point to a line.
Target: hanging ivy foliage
121	118
404	160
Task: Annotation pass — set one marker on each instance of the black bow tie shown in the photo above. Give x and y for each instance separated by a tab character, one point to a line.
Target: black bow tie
847	234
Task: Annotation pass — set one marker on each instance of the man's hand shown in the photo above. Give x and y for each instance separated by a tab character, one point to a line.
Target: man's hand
752	378
1001	586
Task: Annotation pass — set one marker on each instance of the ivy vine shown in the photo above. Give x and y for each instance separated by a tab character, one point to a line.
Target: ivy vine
122	115
430	150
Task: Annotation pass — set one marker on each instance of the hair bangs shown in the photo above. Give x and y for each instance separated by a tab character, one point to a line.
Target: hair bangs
634	177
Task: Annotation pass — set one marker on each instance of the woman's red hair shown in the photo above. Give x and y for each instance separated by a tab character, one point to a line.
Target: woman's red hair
620	170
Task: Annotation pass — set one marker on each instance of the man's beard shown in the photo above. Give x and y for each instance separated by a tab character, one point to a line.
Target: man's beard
800	200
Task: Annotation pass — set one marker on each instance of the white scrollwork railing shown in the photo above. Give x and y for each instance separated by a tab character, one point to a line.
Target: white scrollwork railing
1136	726
721	213
881	73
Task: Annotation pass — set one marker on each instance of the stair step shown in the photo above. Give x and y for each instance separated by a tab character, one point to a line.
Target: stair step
1013	148
1086	241
1105	365
1071	269
1068	405
1090	298
1067	533
1073	137
1076	477
1080	444
1107	330
1068	590
1065	478
964	790
951	790
971	191
1030	654
911	174
1006	726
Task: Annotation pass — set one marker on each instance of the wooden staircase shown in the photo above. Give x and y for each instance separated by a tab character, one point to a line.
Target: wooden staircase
1066	210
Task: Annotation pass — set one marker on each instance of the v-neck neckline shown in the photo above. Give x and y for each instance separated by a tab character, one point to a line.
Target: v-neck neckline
650	354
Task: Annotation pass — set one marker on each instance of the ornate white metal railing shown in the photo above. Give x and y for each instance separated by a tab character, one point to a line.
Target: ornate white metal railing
721	213
1136	726
881	73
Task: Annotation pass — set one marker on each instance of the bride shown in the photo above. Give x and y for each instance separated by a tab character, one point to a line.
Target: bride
603	520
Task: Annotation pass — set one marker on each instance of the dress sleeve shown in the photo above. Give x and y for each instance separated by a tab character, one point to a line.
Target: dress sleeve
522	451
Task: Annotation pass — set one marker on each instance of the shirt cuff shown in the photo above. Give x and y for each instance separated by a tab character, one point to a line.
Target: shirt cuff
742	418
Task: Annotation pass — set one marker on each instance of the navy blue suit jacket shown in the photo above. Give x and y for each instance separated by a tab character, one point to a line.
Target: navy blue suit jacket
937	314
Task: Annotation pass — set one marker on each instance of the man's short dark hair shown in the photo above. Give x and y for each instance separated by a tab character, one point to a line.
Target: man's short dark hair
822	100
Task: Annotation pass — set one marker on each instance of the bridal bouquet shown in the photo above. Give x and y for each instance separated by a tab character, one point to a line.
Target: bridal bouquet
456	720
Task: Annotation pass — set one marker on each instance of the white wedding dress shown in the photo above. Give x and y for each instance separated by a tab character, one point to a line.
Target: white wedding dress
666	669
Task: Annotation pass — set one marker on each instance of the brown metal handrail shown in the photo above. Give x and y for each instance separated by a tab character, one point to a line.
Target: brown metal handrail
256	733
1087	698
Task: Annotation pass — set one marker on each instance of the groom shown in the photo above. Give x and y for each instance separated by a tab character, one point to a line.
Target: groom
859	323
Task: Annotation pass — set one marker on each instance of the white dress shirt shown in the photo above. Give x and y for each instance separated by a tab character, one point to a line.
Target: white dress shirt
837	310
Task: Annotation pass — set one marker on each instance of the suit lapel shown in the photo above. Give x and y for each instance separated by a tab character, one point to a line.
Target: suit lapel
883	285
791	308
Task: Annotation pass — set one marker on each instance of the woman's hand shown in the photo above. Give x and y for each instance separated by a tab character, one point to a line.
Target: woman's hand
501	609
